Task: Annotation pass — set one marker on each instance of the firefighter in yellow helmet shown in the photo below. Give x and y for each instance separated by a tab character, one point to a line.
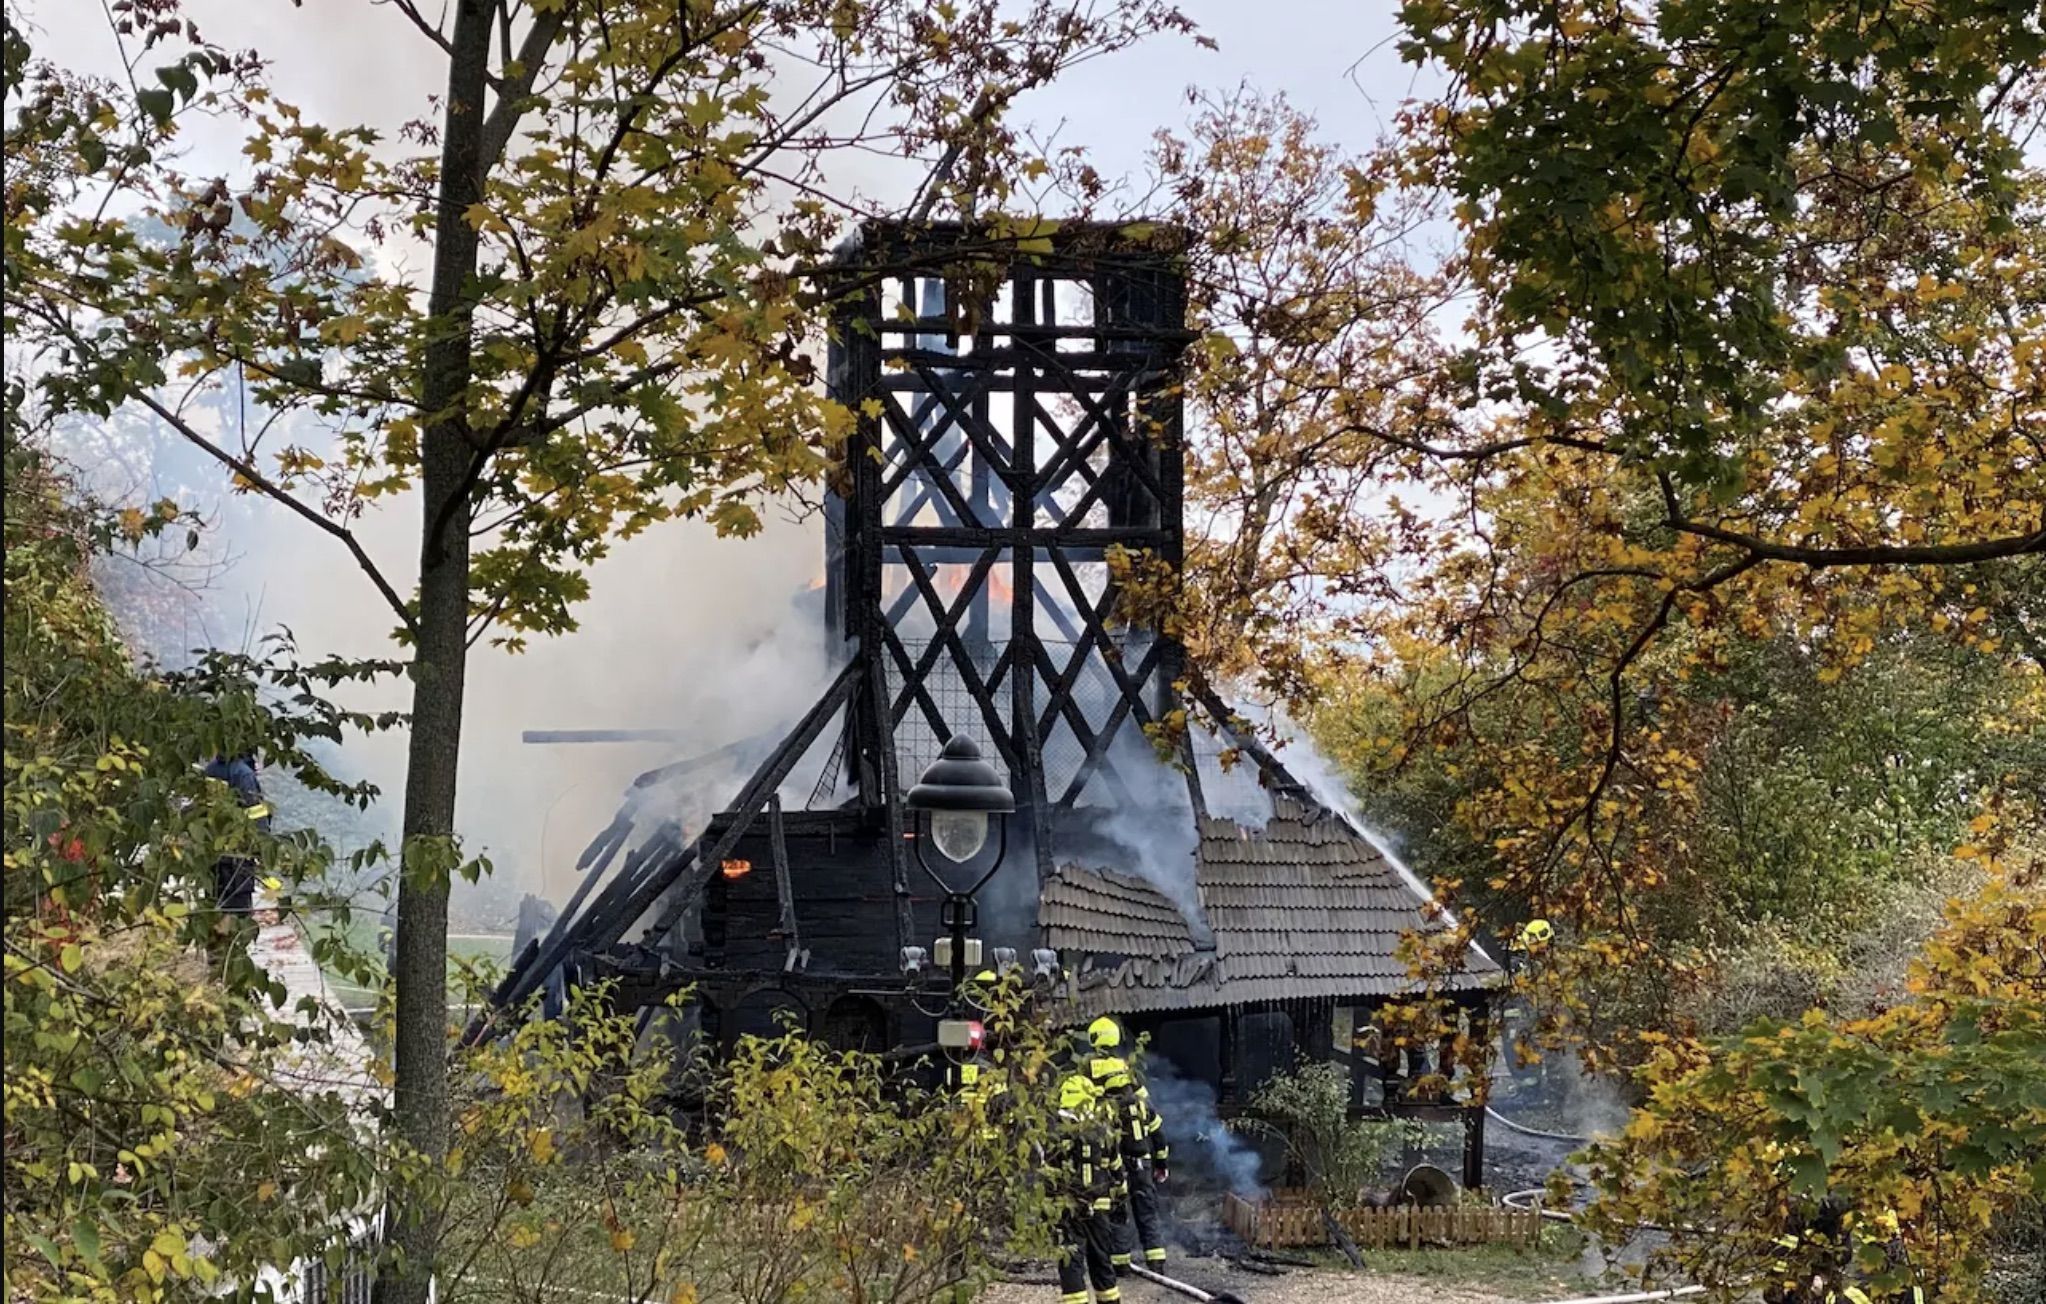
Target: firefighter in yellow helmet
1536	935
1087	1176
1140	1137
984	1079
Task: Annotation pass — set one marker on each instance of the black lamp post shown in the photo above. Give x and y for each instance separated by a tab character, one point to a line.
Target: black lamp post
959	794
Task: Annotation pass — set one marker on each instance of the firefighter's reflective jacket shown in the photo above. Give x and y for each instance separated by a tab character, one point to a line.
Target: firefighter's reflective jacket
1154	1129
1128	1104
1089	1170
984	1085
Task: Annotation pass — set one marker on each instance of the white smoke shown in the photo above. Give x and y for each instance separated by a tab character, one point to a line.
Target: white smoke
1153	831
1202	1144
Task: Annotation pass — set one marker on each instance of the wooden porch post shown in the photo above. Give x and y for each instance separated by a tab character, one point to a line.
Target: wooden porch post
1481	1091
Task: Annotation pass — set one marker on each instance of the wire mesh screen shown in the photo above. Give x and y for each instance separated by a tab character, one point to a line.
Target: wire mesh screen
918	738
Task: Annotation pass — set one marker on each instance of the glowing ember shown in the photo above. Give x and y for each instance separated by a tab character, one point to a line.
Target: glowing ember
736	868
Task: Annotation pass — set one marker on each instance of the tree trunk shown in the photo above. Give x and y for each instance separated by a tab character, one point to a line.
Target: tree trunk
438	670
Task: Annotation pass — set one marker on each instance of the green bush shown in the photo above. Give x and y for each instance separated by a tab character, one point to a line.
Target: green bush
1342	1156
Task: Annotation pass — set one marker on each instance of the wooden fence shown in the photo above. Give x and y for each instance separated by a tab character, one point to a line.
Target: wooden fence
1288	1218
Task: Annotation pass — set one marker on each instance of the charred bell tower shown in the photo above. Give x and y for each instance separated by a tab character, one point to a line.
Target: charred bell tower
1018	433
1020	424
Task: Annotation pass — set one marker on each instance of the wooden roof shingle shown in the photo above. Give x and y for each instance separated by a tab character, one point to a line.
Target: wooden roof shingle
1302	908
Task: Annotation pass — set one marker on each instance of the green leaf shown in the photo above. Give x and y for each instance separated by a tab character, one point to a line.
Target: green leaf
86	1237
157	104
179	78
1808	1174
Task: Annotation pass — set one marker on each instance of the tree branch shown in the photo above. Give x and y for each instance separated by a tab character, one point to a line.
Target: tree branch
1930	554
513	90
270	489
432	32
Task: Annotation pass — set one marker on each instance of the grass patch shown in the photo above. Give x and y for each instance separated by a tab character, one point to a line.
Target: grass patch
496	949
364	934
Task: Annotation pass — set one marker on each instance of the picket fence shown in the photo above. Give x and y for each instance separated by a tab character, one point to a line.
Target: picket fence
1291	1218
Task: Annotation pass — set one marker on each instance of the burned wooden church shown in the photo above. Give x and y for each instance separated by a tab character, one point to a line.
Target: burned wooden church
1019	426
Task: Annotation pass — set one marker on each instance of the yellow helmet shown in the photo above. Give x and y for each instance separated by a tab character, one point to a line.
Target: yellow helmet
1104	1033
1536	933
1075	1092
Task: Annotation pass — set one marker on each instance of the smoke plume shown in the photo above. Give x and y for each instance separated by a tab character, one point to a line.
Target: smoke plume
1203	1147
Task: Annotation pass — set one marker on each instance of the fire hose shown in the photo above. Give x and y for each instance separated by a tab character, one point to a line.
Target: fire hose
1638	1297
1525	1130
1191	1292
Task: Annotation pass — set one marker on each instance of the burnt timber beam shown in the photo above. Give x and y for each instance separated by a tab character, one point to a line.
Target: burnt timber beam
1126	704
754	796
731	751
1474	1117
893	831
1036	536
531	969
1190	766
947	635
609	920
783	890
1282	777
605	845
1023	603
550	736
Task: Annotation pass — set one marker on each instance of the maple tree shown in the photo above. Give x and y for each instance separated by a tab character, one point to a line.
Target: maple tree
628	207
1663	347
1681	384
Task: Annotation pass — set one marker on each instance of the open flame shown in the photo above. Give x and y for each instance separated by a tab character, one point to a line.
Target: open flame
950	579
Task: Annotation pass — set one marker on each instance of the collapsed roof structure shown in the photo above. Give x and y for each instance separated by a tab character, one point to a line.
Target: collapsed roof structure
1019	429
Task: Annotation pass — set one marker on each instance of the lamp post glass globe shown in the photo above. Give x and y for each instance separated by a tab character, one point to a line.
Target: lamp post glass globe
959	792
959	834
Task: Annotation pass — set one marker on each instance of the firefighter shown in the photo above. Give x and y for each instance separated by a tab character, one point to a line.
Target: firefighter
234	877
983	1080
984	1085
1138	1131
1088	1175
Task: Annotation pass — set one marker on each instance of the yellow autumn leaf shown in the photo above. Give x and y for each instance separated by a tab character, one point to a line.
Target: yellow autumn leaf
622	1239
541	1144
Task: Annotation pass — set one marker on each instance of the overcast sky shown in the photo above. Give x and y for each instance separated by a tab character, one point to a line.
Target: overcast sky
682	630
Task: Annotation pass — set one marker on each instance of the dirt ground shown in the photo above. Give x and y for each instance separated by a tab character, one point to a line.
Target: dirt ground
1295	1287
